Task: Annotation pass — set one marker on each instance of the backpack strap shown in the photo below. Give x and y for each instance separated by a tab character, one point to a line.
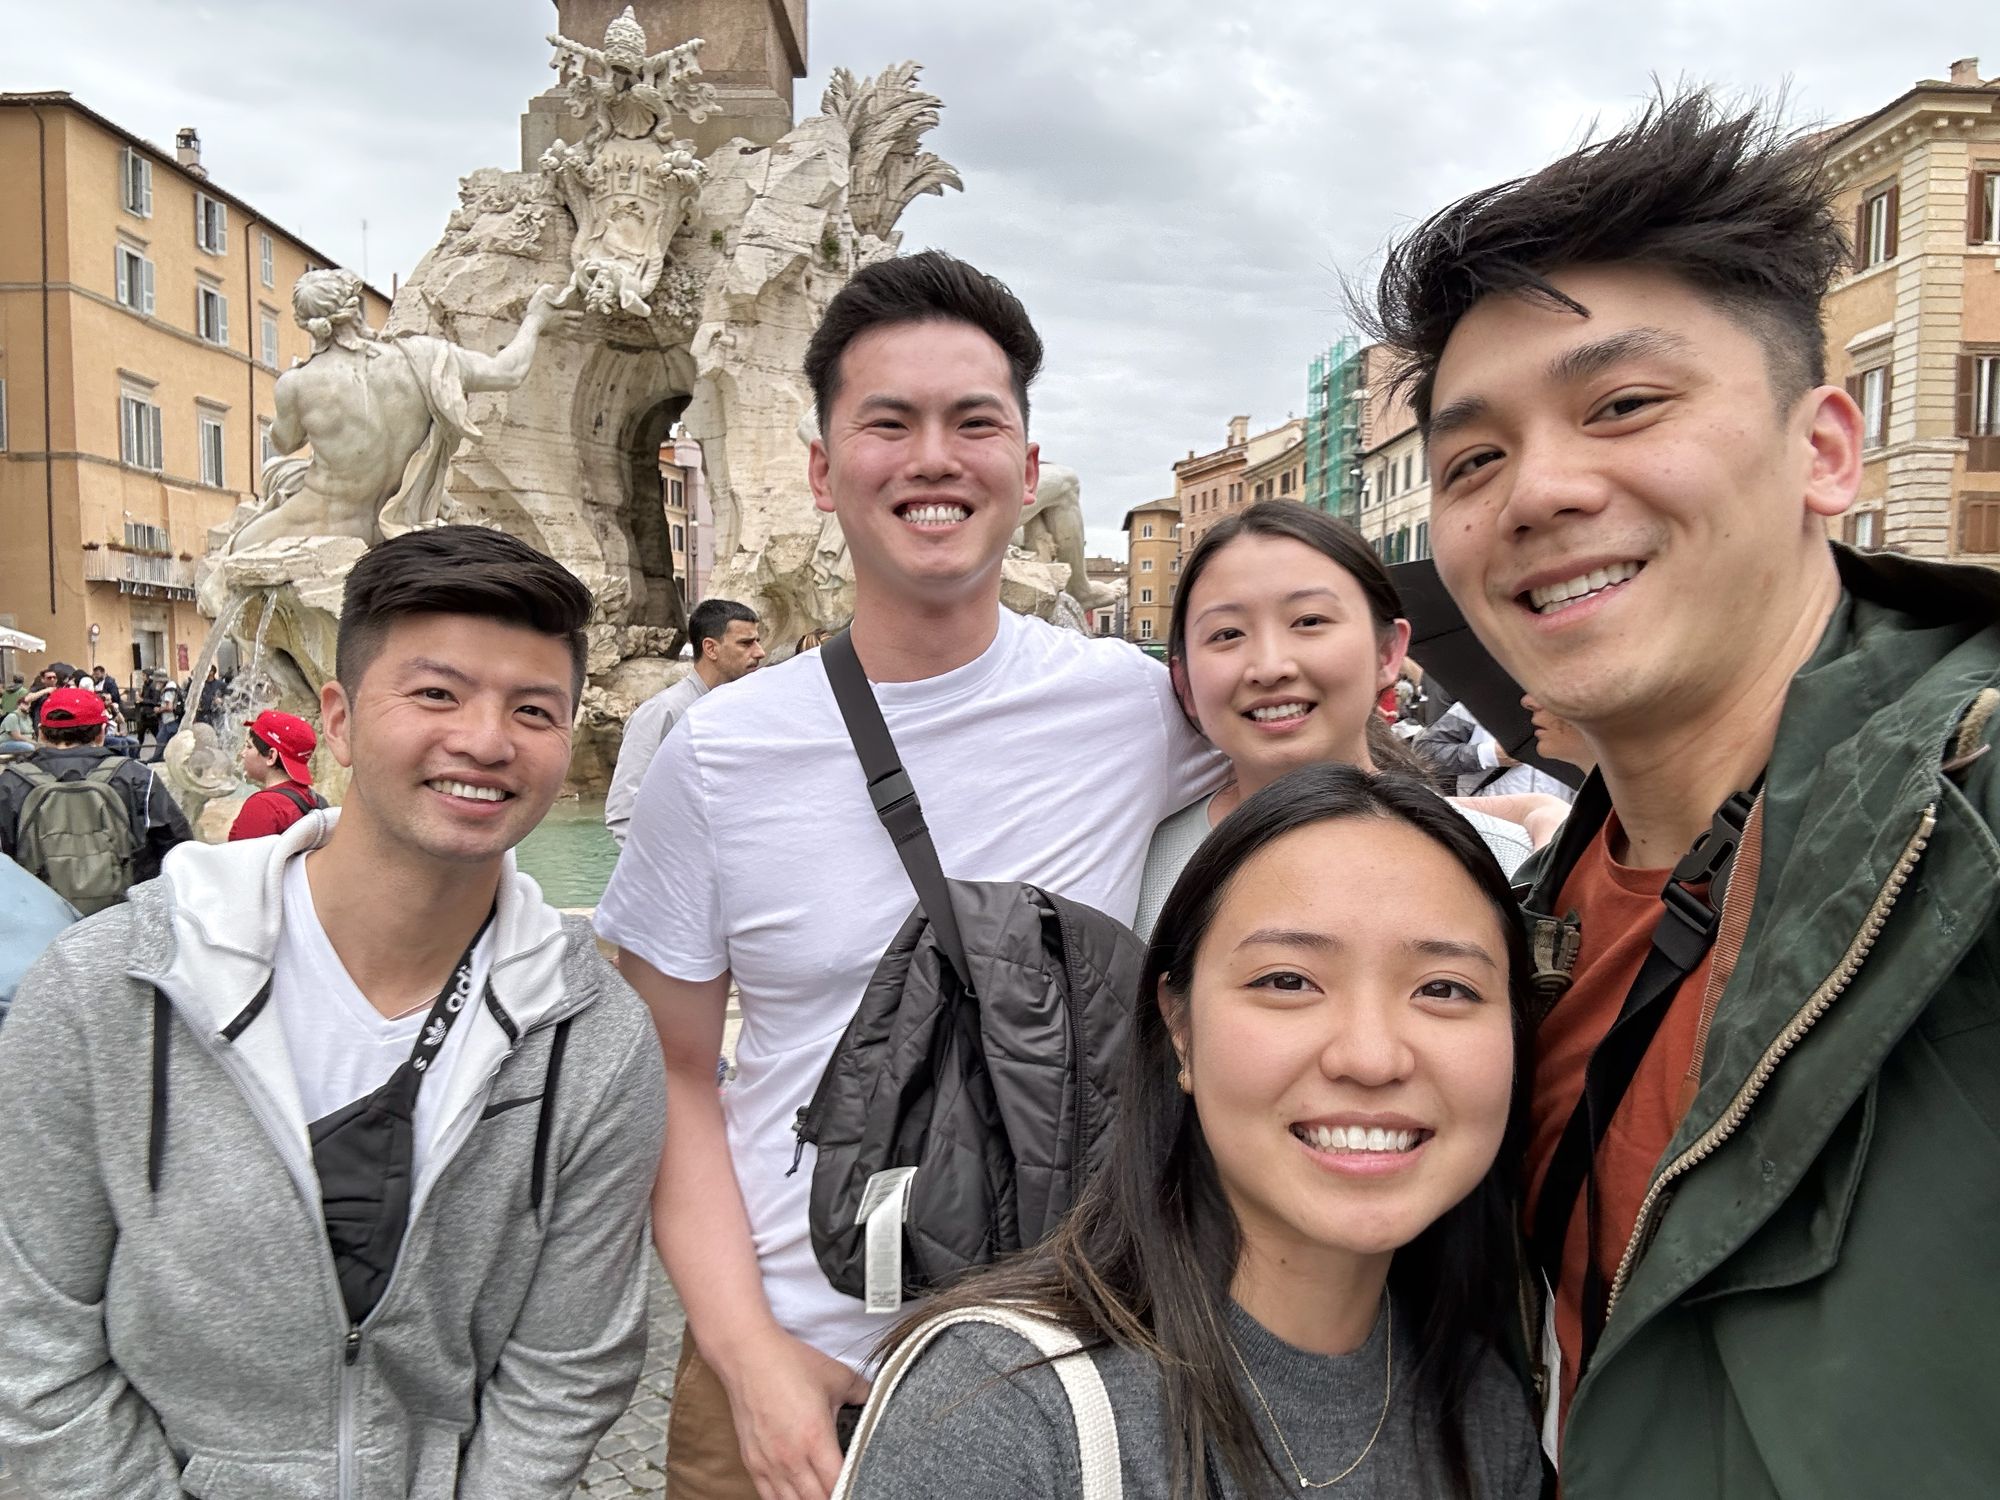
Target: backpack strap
305	802
1089	1403
894	795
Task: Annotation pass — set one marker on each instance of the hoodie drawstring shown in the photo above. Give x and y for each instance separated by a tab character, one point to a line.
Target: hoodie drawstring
156	1139
546	1116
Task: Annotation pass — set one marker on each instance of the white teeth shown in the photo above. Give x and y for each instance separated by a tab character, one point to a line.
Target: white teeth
1554	595
475	793
935	515
1280	711
1357	1138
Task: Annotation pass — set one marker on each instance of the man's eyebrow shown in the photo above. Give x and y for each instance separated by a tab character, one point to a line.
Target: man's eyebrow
450	673
903	406
1448	419
1586	360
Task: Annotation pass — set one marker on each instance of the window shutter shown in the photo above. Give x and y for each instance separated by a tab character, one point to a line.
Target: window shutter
1861	235
1967	380
1888	395
222	319
1975	208
146	275
128	178
1894	213
222	227
201	221
146	185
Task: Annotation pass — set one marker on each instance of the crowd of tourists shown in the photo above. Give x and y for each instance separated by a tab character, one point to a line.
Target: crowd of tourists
1177	1080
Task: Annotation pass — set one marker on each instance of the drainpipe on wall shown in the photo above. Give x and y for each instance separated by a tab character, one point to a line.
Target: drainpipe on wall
48	414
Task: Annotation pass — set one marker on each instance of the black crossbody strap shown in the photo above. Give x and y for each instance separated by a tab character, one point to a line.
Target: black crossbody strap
1682	938
894	795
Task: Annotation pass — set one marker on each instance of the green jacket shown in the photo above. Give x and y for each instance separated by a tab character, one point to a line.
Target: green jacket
1811	1308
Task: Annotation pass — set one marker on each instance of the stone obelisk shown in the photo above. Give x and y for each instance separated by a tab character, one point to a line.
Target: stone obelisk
753	51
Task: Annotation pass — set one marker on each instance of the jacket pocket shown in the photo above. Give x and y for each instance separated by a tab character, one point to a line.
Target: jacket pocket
230	1476
1802	1239
434	1456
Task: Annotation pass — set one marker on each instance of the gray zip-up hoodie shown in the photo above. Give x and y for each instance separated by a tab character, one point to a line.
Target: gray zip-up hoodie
170	1321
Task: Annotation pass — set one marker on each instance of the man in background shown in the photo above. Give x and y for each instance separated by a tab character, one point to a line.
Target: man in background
277	759
726	646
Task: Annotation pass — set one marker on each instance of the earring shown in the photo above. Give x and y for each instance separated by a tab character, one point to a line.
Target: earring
1182	1080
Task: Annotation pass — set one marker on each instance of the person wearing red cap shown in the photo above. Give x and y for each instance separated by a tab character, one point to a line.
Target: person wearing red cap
276	759
82	818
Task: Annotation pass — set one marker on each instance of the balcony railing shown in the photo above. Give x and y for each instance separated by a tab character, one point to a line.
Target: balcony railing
140	573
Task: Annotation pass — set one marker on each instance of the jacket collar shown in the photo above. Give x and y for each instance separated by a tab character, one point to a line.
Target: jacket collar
224	905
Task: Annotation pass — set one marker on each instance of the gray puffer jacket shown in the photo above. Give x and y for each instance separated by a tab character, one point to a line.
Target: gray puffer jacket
170	1321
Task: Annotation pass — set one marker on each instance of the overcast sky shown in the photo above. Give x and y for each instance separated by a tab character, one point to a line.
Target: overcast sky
1174	187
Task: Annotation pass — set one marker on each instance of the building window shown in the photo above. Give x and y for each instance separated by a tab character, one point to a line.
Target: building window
140	537
1146	531
136	179
1875	228
1875	407
1982	208
139	432
211	451
134	276
266	451
1145	565
1145	596
1145	630
1979	523
1985	395
1423	539
1864	529
680	537
211	224
211	314
266	271
267	336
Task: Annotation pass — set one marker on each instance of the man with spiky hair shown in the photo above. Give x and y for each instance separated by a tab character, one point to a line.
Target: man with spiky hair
1764	1178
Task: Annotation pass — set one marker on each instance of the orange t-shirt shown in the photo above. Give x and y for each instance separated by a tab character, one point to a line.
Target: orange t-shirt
1619	907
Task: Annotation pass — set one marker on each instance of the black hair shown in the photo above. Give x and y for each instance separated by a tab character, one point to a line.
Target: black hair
928	287
710	620
67	736
261	746
458	570
1734	204
1343	545
1147	1258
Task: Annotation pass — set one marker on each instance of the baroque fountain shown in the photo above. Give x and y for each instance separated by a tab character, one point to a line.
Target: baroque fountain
628	283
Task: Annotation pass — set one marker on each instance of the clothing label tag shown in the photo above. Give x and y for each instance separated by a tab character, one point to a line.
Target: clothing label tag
1552	1368
885	1202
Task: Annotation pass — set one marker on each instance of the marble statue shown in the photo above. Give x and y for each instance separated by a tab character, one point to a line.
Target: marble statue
1052	531
368	406
628	183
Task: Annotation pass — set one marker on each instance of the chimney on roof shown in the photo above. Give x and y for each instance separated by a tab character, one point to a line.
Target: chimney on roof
1239	431
1966	71
187	150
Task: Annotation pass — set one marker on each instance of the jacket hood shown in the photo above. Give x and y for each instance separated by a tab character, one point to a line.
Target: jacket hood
224	906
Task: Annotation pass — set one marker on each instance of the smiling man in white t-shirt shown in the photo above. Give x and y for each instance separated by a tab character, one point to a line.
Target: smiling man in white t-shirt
1041	755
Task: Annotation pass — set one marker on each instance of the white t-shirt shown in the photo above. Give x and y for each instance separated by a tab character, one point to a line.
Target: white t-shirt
341	1047
1048	759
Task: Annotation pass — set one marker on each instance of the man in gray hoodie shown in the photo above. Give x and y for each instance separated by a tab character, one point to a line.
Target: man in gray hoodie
325	1160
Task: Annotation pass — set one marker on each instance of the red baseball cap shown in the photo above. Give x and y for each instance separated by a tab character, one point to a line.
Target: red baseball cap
293	739
73	708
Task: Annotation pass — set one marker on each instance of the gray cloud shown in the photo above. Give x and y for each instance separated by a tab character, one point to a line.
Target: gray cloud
1175	189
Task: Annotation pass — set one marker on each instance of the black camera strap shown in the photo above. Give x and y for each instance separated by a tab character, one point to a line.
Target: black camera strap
1681	940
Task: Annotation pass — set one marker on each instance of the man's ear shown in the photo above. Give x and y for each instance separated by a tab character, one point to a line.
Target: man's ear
1836	438
335	715
817	468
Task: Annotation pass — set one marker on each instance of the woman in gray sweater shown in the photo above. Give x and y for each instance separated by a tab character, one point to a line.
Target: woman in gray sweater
1297	1269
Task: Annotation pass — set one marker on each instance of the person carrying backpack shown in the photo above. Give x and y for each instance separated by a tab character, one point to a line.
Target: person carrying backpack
84	820
277	759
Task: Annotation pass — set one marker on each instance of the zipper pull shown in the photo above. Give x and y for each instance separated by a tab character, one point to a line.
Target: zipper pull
353	1343
799	1150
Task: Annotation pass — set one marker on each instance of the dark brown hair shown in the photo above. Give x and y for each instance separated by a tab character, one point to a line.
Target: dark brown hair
1147	1258
1734	204
928	287
458	570
1343	545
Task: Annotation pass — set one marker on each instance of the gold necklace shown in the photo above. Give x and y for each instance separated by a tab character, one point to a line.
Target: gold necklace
1388	1385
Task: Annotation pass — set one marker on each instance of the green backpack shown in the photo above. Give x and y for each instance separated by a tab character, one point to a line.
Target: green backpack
76	836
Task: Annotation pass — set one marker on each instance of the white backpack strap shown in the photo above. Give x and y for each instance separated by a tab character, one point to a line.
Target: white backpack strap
1089	1403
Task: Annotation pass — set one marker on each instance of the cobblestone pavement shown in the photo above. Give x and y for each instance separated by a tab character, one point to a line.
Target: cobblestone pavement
631	1459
